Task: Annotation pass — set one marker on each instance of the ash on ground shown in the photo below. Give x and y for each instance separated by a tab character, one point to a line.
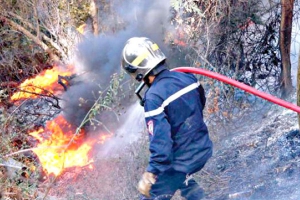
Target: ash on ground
256	157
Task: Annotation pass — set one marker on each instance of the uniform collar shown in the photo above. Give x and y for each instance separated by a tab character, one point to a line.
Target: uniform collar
160	76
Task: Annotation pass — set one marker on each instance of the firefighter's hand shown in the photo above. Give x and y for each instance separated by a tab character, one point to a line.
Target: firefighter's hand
144	186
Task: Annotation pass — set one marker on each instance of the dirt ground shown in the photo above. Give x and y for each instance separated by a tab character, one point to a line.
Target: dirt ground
255	158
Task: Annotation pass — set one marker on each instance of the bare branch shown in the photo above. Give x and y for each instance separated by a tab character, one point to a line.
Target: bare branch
39	34
33	37
35	148
12	166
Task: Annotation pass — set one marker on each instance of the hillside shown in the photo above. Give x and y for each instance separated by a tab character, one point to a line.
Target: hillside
256	158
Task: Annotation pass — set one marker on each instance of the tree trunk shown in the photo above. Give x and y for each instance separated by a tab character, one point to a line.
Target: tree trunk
298	86
94	14
287	7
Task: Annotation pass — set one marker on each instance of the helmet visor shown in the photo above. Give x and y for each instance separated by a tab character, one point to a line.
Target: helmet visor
130	68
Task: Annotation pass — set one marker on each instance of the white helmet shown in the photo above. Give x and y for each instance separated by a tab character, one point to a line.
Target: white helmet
140	56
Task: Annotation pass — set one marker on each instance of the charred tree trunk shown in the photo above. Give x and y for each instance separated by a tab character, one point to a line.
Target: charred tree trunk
94	15
287	7
298	86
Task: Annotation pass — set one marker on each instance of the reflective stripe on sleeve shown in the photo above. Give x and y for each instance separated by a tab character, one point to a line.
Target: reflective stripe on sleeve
171	98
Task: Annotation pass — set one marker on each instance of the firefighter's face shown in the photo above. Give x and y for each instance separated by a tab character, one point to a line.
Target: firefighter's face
149	79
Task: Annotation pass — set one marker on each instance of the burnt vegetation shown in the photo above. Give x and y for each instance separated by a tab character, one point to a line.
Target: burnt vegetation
239	39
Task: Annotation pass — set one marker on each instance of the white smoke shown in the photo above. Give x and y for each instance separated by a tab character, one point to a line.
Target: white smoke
131	129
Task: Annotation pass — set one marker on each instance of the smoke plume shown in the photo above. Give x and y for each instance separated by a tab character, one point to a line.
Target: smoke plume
97	58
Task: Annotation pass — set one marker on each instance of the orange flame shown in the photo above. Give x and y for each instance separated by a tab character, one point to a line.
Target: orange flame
61	149
46	82
180	43
58	148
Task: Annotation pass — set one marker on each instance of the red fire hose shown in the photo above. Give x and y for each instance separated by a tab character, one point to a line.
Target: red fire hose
237	84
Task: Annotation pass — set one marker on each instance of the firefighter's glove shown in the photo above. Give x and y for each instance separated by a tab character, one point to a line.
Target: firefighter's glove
144	186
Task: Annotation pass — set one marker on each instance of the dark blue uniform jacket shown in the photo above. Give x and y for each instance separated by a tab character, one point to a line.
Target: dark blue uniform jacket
178	135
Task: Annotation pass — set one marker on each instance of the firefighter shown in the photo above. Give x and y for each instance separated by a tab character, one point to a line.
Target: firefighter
179	143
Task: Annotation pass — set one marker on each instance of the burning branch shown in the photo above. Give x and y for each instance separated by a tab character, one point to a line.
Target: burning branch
44	84
64	80
68	149
35	148
86	119
50	94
